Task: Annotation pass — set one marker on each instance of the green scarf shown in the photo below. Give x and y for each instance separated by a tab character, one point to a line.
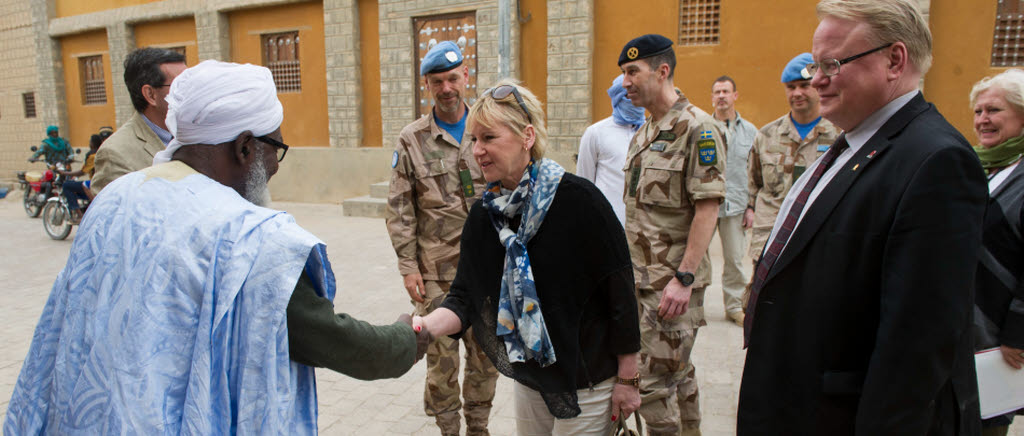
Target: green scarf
1001	155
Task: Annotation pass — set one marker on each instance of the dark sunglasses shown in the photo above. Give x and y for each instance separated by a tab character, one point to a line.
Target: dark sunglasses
502	92
281	148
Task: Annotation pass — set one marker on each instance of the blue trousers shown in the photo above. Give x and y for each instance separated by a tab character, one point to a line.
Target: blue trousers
74	191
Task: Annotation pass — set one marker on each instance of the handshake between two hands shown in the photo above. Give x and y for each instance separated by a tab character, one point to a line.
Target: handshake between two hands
423	336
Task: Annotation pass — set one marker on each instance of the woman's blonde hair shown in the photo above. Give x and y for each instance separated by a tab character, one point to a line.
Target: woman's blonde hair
1011	82
490	113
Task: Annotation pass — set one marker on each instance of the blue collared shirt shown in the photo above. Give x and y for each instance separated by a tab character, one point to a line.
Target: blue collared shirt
164	135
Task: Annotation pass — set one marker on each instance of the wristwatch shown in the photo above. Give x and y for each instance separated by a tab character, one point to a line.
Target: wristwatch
635	381
686	278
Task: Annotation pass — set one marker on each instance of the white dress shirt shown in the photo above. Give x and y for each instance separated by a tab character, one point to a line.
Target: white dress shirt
856	138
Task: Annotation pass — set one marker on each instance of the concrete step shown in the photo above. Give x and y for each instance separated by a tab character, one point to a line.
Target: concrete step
380	190
365	206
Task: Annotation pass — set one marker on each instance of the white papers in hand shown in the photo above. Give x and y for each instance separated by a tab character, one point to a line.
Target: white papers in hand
1000	386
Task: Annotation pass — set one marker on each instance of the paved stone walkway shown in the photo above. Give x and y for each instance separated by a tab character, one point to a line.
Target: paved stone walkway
369	288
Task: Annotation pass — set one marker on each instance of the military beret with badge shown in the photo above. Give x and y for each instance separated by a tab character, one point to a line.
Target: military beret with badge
445	56
644	47
796	69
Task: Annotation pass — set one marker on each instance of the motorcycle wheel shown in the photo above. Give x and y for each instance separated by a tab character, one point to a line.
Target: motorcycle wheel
32	209
56	220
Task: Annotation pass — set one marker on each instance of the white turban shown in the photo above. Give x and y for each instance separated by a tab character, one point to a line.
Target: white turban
214	102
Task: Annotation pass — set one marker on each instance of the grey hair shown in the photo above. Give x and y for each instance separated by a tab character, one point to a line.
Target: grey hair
1011	82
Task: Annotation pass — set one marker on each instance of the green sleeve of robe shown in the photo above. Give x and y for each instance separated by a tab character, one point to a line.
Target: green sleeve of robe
320	338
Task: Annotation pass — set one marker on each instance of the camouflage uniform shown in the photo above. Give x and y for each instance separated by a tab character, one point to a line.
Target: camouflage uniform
776	160
434	182
671	164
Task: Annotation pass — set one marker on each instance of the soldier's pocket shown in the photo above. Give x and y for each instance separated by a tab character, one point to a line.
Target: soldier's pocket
774	177
430	182
661	185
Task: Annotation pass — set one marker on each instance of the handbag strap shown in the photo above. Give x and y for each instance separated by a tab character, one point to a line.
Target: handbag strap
622	429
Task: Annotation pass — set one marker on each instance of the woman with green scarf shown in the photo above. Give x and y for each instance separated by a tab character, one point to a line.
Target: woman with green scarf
999	282
54	147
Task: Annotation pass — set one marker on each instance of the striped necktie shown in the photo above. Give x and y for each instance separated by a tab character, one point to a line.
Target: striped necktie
782	236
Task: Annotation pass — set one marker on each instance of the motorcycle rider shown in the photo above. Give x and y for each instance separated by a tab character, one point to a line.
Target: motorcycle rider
55	148
75	190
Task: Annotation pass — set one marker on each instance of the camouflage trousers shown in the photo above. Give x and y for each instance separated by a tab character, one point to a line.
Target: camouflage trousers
668	383
441	393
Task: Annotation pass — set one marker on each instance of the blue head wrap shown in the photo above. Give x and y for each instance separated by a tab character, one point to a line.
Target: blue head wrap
623	110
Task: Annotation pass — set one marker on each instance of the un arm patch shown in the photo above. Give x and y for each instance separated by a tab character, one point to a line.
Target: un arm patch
707	154
394	159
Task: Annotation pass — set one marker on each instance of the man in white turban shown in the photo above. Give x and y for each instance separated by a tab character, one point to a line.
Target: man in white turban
187	308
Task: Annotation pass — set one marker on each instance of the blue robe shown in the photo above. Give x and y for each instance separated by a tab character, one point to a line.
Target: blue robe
169	317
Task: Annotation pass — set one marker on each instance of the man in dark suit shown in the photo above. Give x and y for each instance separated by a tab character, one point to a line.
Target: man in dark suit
859	317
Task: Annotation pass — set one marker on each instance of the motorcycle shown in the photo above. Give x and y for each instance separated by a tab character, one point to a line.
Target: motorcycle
57	217
41	186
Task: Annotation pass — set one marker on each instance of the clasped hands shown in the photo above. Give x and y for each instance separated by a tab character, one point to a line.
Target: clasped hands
423	336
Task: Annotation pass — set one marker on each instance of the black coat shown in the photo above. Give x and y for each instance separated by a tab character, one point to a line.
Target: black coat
863	325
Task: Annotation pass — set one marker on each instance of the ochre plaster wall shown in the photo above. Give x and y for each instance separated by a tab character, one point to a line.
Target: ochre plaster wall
85	120
962	55
305	112
369	70
534	49
170	33
753	50
67	8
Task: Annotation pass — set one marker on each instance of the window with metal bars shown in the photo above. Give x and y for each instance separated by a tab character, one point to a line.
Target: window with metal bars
94	90
698	22
1008	37
29	101
281	56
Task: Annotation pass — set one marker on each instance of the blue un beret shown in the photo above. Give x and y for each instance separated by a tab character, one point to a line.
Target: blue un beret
796	69
644	47
443	57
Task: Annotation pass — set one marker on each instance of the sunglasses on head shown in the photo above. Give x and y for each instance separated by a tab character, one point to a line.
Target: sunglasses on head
502	92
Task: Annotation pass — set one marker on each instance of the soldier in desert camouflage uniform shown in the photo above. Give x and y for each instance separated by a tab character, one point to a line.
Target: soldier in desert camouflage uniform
434	182
674	184
782	150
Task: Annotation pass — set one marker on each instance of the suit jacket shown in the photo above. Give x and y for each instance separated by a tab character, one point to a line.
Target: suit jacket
130	148
863	325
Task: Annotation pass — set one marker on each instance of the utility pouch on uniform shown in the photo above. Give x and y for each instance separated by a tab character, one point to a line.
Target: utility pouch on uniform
467	182
798	170
634	179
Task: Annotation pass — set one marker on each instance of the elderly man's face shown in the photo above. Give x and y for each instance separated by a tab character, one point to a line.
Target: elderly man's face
261	170
447	88
860	87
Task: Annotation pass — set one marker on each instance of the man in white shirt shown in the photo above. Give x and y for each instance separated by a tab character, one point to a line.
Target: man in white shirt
604	145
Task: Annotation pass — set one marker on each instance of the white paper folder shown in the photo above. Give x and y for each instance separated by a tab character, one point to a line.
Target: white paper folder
1000	386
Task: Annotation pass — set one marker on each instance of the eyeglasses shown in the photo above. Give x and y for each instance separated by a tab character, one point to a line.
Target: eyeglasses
830	67
502	92
280	147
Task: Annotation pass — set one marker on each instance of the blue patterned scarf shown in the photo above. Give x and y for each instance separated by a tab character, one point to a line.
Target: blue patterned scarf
520	322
